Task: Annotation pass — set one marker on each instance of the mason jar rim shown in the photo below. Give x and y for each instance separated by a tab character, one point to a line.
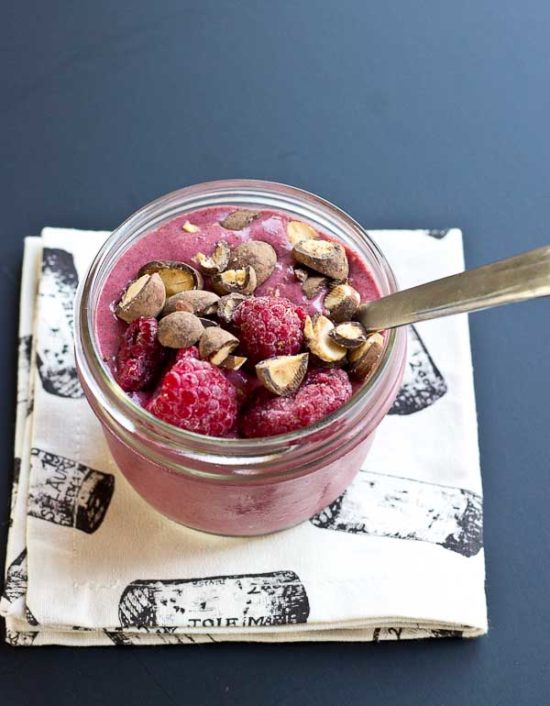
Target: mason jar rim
135	420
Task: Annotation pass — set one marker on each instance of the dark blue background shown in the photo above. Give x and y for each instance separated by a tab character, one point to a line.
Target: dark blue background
424	113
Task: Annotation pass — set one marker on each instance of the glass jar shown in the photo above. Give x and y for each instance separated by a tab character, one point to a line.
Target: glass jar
236	486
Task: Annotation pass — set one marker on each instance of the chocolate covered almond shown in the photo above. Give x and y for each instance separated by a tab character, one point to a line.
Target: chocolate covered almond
233	362
314	285
323	256
216	262
297	231
341	302
145	296
257	254
283	374
179	330
239	219
317	334
349	334
228	305
364	359
177	276
198	301
241	281
216	344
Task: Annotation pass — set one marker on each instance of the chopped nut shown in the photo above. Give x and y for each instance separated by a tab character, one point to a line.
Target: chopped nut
301	275
177	276
216	262
341	302
317	335
239	219
233	362
323	256
350	334
145	296
190	227
257	254
314	285
216	344
179	330
297	231
242	281
228	305
201	301
283	374
364	360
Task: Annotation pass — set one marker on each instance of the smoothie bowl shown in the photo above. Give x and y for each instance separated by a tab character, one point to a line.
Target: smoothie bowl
215	344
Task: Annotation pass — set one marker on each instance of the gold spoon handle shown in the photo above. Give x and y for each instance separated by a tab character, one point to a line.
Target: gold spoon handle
515	279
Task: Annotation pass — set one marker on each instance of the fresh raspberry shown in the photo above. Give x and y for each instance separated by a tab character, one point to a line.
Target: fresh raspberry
195	395
192	352
322	392
140	356
269	326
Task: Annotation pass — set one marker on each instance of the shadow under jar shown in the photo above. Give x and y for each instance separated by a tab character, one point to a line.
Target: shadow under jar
236	486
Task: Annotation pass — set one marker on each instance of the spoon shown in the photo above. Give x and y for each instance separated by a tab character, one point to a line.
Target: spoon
515	279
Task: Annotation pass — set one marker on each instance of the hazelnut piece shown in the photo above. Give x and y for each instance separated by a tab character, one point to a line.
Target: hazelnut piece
233	362
201	302
242	281
216	262
190	227
364	359
283	374
297	231
300	274
323	256
145	296
341	302
177	276
314	286
216	344
239	219
228	305
257	254
349	334
179	330
317	335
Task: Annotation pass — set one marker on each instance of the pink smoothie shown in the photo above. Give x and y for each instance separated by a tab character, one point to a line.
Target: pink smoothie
171	242
235	504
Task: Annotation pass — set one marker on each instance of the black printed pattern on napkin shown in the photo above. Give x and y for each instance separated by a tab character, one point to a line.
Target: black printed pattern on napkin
20	639
68	493
23	372
248	600
401	508
380	634
439	234
14	486
423	384
54	357
15	585
124	639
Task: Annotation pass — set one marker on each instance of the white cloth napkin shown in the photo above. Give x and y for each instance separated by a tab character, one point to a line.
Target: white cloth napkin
398	555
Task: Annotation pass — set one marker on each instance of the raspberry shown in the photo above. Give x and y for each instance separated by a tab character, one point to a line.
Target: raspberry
192	352
322	392
140	356
195	395
269	326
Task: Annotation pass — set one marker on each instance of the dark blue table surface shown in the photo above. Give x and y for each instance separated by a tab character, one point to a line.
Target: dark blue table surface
407	114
